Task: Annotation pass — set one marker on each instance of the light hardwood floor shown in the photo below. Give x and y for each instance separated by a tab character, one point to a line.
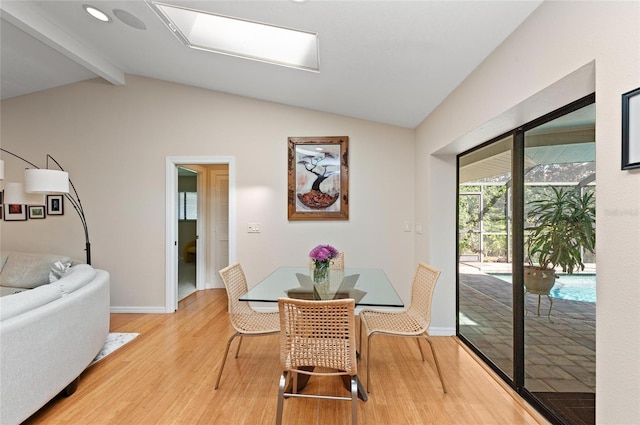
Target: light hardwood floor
167	375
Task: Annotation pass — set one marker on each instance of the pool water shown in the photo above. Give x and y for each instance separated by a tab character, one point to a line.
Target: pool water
574	287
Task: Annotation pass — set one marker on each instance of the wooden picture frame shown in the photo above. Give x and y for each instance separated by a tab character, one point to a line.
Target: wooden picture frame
36	212
631	130
15	212
55	204
318	178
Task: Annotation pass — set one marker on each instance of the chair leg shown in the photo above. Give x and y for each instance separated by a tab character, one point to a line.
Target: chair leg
283	384
435	359
239	344
224	359
368	362
354	400
420	348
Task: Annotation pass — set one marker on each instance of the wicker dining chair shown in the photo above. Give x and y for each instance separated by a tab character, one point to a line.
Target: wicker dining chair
413	322
317	334
245	320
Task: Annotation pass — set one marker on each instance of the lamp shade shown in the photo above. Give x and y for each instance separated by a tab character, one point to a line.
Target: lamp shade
39	180
14	194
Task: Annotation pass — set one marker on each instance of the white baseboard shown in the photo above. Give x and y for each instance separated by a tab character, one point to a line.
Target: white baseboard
155	310
439	331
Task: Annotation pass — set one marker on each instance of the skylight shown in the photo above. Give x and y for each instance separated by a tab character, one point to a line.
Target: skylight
241	38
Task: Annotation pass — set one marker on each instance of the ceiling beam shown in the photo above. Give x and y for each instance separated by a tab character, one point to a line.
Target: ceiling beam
22	15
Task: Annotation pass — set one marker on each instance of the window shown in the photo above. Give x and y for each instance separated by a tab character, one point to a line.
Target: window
187	205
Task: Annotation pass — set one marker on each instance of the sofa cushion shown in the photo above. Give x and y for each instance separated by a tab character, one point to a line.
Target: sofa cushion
74	278
8	290
29	270
3	260
15	304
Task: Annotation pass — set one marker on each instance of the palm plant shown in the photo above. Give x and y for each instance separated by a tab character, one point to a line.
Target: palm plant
563	225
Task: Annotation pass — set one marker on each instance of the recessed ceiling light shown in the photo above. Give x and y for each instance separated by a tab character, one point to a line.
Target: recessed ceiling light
96	13
240	37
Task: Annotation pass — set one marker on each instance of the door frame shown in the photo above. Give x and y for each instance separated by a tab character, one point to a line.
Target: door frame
171	227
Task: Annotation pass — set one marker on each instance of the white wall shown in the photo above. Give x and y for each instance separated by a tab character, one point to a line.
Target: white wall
565	50
114	140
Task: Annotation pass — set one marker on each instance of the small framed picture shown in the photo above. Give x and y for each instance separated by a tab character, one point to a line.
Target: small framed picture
15	212
36	212
631	129
55	204
1	210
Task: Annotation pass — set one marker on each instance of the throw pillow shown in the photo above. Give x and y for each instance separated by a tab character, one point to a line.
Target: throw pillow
58	270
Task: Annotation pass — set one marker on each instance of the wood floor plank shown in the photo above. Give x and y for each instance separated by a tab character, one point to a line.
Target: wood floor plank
167	374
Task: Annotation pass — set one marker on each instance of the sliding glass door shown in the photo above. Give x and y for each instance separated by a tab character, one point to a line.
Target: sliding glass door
559	202
527	199
485	299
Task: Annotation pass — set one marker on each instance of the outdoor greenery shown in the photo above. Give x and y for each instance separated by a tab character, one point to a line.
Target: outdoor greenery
563	225
492	216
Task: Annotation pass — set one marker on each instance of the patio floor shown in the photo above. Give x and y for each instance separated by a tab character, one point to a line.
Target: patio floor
560	350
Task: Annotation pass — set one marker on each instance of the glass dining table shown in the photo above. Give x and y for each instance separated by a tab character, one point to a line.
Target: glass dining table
367	286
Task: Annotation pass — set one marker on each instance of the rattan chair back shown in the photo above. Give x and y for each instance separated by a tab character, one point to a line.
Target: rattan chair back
236	284
318	334
424	282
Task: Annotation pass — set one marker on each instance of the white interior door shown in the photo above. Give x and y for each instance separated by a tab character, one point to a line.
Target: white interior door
220	207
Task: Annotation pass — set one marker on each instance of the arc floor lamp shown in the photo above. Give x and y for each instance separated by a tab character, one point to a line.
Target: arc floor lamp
46	181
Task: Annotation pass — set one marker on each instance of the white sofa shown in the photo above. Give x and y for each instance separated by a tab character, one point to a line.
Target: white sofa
48	334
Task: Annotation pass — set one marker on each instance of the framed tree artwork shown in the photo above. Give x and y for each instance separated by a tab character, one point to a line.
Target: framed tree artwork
318	178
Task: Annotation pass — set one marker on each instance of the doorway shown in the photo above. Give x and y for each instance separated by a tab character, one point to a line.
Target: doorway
188	215
200	223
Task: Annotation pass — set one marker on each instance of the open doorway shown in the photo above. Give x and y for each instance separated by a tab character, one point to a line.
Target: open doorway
188	201
200	223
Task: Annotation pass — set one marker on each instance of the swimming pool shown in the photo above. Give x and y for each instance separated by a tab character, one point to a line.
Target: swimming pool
574	287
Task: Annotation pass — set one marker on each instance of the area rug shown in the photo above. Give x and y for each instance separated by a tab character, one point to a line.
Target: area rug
114	341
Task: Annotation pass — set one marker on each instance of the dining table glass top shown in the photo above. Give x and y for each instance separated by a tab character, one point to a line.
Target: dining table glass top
368	287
